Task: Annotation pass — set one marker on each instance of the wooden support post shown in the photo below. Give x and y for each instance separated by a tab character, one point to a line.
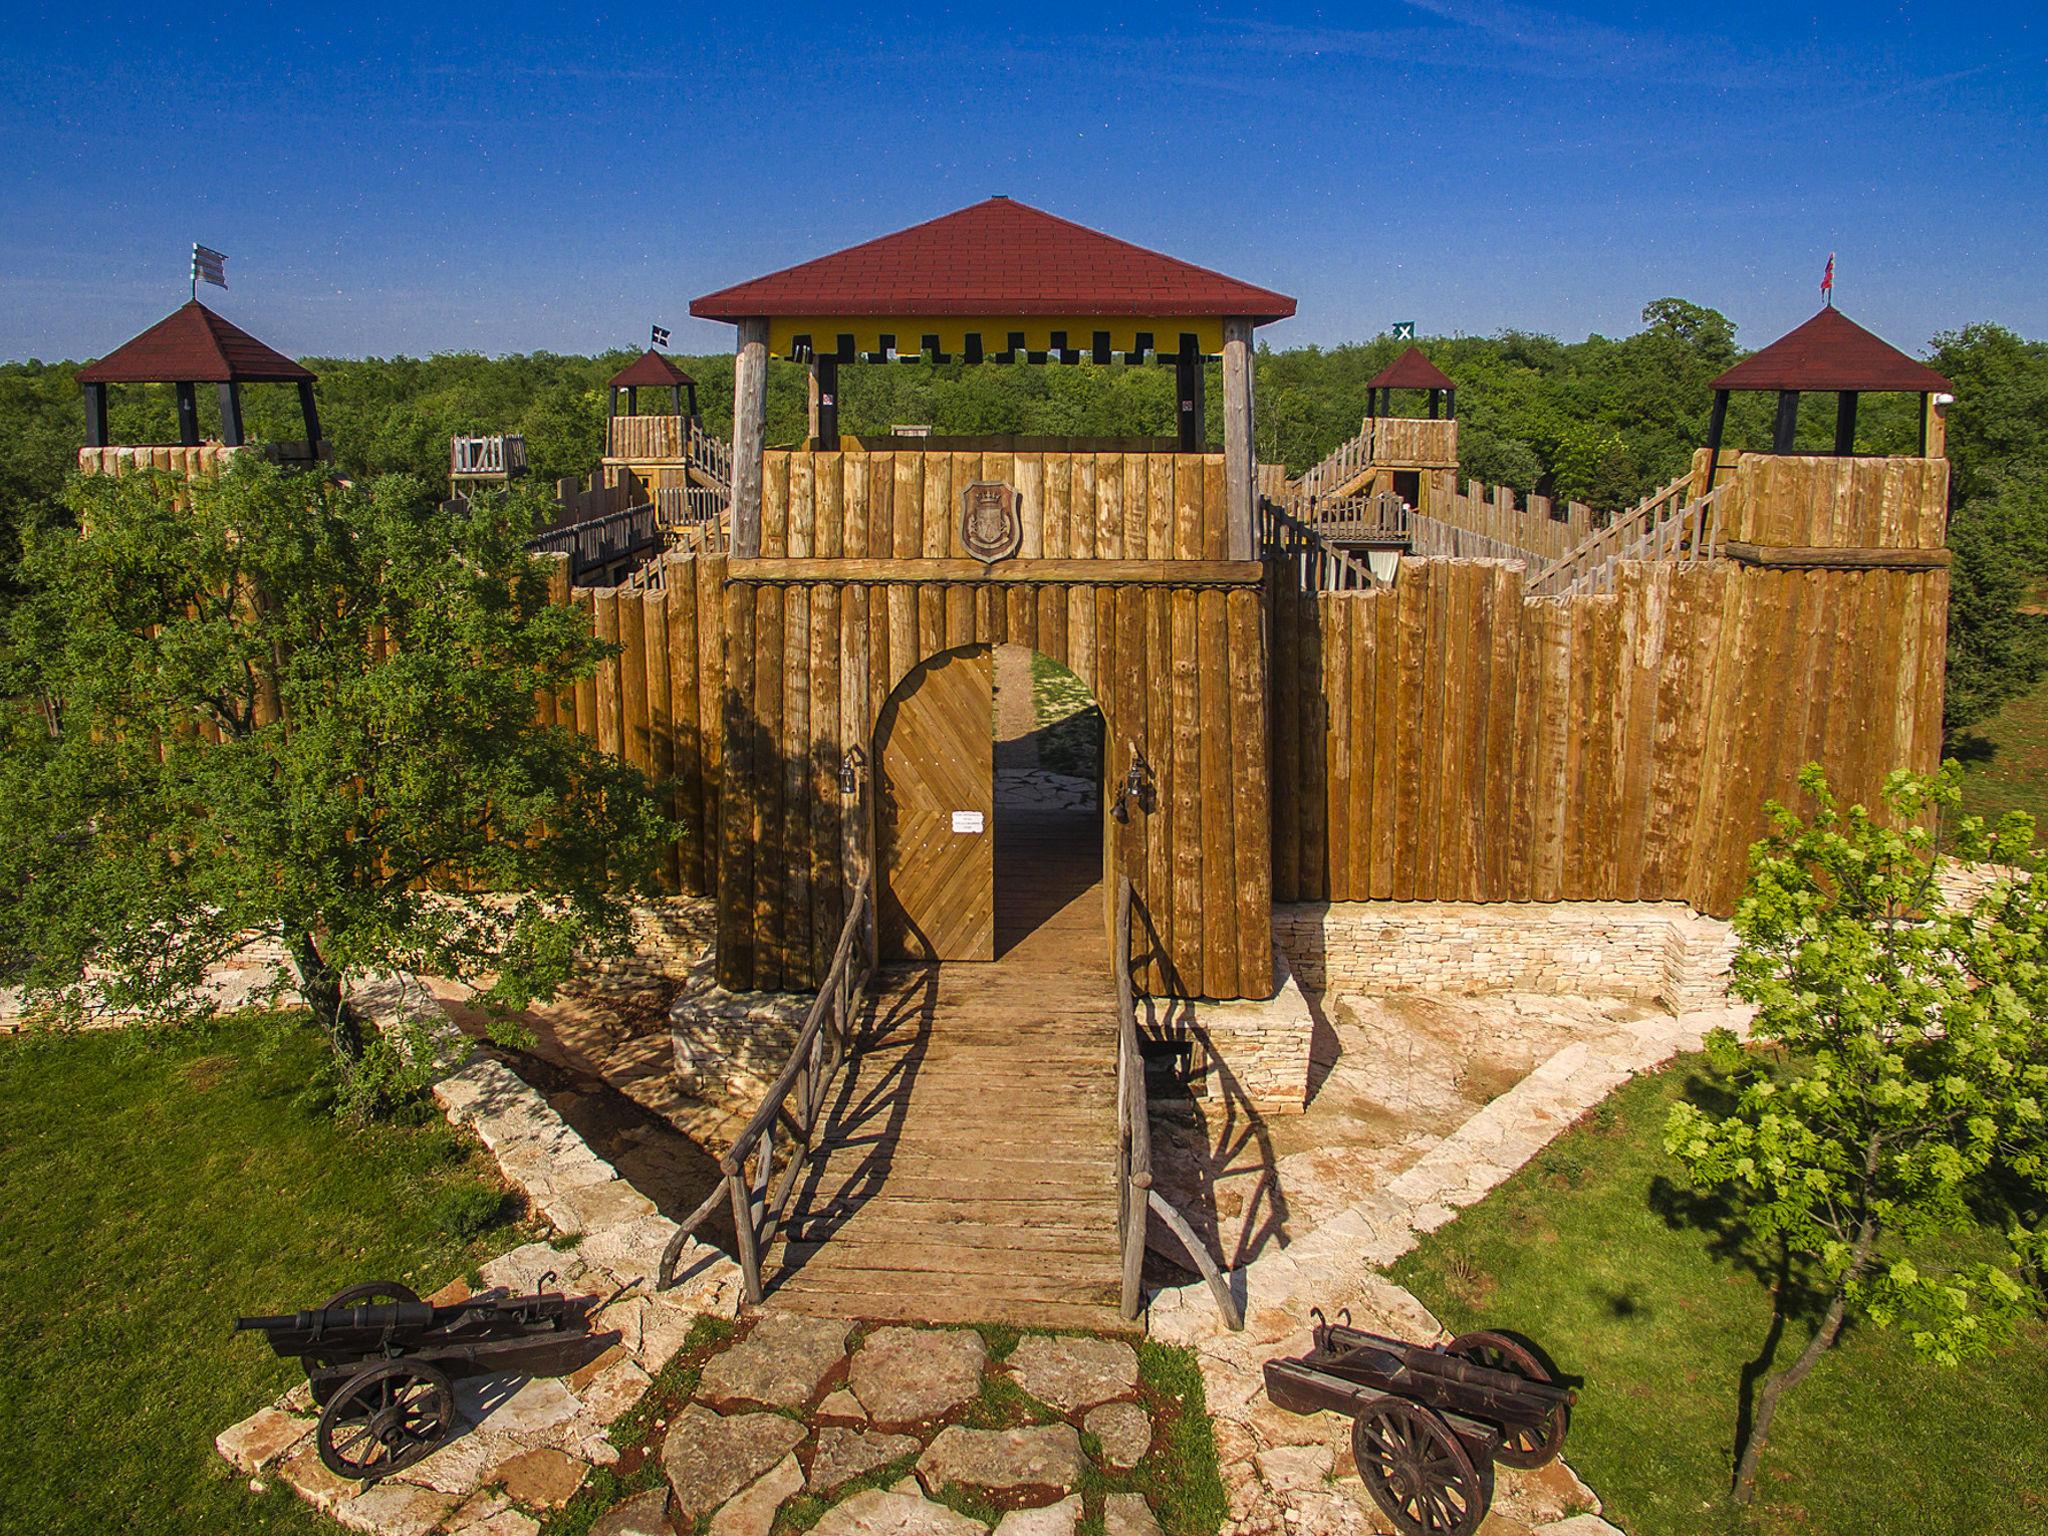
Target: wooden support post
188	415
1188	411
311	413
615	400
825	371
632	400
1450	404
749	423
1933	426
1717	423
95	415
1788	421
811	393
1240	472
691	391
231	414
1845	422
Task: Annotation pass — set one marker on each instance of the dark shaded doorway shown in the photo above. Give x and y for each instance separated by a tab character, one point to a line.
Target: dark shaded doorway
1048	808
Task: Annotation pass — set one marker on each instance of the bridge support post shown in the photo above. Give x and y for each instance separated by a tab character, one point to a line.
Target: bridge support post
749	424
1240	472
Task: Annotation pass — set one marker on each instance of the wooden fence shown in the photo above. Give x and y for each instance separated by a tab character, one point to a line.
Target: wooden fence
906	504
1536	523
1453	740
659	702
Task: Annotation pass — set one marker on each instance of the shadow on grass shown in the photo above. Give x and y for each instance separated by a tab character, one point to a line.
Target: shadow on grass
1731	1240
1971	748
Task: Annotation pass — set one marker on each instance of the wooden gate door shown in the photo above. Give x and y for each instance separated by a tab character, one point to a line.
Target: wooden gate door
935	812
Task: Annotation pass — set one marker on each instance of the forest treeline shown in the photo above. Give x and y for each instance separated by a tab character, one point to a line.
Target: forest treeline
1601	421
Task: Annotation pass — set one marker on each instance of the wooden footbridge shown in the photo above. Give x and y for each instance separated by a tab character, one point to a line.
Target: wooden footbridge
967	1169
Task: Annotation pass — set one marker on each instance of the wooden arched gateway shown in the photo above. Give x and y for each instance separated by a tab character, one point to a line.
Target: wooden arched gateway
1176	662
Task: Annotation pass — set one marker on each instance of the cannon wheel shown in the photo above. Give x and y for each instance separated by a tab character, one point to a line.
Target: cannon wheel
1417	1471
371	1293
1498	1352
384	1418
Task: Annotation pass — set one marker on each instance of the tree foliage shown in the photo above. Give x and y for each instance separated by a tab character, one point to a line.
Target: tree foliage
1910	1074
277	707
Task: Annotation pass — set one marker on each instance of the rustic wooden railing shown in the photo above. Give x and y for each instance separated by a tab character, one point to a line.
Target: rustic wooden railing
1343	464
643	437
499	454
1319	566
797	1105
683	506
712	456
602	541
1136	1200
1668	524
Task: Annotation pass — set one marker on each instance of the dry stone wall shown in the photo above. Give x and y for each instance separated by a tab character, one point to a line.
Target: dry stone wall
1661	952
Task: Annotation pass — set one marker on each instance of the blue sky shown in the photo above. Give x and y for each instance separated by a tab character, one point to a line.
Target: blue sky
511	178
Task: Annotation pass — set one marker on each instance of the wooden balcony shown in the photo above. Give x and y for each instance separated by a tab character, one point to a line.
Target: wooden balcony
1410	442
644	438
498	456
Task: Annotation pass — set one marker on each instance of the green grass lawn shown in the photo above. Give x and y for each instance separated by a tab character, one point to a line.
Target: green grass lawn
1597	1252
2005	759
151	1193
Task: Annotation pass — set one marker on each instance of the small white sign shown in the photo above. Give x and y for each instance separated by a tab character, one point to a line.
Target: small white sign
967	821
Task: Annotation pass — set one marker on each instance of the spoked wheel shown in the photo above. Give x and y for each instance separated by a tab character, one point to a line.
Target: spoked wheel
1498	1352
1417	1471
373	1293
384	1418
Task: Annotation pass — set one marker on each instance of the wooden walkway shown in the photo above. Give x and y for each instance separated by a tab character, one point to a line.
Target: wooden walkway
969	1167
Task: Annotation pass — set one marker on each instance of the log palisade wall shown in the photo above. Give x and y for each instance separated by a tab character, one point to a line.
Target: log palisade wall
1450	740
1179	672
905	505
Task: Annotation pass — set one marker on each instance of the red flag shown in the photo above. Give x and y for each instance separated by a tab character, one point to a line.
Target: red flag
1827	278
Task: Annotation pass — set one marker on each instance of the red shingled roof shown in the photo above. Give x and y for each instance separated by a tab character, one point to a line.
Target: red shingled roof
1411	370
193	345
998	257
650	370
1831	352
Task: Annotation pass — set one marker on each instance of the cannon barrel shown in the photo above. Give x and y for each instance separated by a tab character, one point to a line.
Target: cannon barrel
378	1318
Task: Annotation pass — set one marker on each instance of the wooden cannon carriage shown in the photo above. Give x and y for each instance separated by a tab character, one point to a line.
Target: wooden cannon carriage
381	1361
1429	1421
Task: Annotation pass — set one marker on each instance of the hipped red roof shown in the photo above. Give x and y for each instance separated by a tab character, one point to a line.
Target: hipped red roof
193	345
1411	370
1833	352
650	370
998	257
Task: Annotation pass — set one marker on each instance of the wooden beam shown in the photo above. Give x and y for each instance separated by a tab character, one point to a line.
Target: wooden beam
231	414
1240	470
188	415
1845	422
95	415
1188	410
1811	558
1787	424
749	423
311	413
825	382
1161	573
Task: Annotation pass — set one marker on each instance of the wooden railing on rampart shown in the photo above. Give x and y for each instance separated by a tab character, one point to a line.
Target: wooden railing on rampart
797	1103
1137	1200
1668	524
1315	564
475	455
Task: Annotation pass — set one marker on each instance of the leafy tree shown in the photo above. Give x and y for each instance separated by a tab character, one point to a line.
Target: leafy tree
278	707
1913	1041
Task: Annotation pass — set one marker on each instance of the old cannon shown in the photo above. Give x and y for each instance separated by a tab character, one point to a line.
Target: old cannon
381	1362
1429	1421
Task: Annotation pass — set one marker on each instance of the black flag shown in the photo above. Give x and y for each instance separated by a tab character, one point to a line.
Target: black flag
660	337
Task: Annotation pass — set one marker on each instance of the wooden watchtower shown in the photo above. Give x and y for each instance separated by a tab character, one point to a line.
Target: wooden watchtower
187	348
868	581
1415	457
664	457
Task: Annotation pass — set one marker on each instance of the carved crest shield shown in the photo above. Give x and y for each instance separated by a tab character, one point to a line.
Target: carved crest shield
990	528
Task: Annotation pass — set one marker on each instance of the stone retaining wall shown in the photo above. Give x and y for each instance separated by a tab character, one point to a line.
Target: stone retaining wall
1257	1049
1661	952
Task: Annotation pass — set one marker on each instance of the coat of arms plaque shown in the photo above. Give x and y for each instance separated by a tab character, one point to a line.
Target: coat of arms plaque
990	528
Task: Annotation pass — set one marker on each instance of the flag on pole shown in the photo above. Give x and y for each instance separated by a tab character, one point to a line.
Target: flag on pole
1827	280
208	266
660	336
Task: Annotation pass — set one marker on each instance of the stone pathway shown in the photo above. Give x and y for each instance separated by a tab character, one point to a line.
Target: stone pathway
1286	1472
899	1430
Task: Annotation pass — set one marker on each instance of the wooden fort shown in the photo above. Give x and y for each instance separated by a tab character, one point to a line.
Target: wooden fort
1367	684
